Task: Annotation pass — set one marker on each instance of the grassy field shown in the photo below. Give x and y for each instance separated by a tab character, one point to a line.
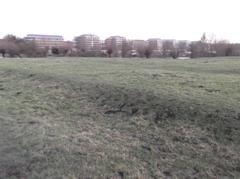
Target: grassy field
119	118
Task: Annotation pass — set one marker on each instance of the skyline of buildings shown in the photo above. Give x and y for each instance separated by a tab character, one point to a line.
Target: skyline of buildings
95	40
87	45
118	44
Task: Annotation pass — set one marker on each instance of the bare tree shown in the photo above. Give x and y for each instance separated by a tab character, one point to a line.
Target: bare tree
126	47
3	47
200	48
12	49
168	48
182	46
28	48
109	52
148	52
10	45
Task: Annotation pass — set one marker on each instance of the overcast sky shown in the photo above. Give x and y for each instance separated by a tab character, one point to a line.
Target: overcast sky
134	19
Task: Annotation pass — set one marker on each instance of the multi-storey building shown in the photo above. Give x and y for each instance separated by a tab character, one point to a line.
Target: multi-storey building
169	47
138	44
49	41
88	42
116	44
138	47
170	42
155	44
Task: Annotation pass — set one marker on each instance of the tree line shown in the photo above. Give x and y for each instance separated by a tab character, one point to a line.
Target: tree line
12	46
204	47
210	47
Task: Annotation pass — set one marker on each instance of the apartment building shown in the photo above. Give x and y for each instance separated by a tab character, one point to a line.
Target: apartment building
138	44
155	44
49	41
115	43
138	47
88	42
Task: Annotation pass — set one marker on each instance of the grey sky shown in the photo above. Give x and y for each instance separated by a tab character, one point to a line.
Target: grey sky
134	19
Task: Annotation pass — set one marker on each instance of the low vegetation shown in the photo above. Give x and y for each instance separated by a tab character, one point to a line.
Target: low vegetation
115	118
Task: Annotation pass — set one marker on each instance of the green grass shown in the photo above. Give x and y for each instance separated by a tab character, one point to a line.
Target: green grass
119	118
